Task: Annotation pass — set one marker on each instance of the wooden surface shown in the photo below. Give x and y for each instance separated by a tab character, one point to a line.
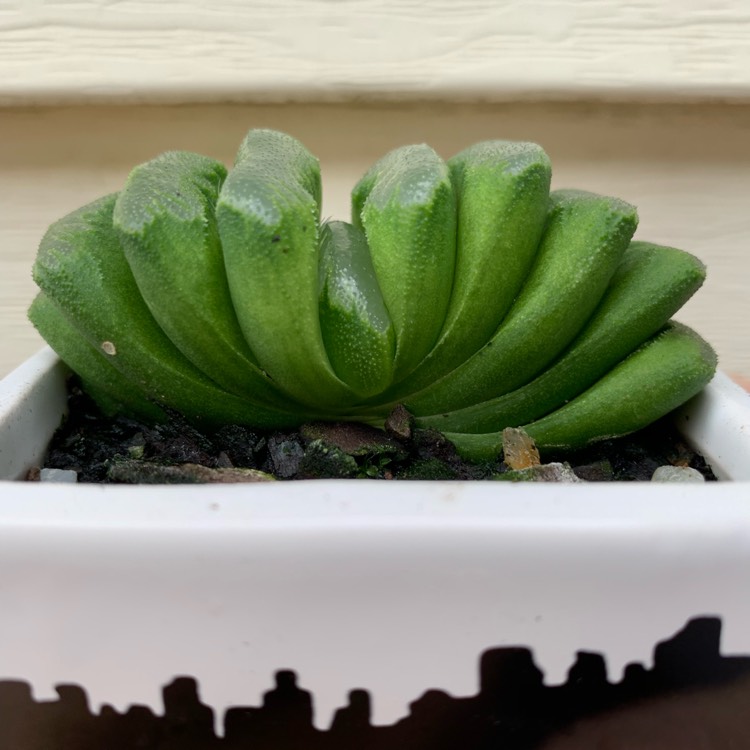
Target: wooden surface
687	168
248	50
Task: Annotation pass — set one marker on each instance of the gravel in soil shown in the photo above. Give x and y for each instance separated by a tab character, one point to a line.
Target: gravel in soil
123	450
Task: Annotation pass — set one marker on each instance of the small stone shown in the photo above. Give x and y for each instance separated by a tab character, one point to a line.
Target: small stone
353	438
399	423
677	474
239	444
143	472
324	461
553	472
286	456
431	443
519	450
223	461
136	451
58	475
599	471
681	454
136	446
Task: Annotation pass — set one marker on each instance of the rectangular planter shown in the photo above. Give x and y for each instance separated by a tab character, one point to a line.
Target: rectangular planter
486	595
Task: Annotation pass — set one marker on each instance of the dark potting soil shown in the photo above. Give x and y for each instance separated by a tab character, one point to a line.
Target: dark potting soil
123	450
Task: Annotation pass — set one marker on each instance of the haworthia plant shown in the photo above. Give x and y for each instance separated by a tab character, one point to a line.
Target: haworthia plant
464	290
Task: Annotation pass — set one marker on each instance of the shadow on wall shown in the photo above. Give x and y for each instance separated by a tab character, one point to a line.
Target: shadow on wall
692	698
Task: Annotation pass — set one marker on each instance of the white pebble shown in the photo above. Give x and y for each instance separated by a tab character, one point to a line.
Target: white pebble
58	475
677	474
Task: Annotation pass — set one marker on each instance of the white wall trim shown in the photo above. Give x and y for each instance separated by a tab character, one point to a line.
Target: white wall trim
178	51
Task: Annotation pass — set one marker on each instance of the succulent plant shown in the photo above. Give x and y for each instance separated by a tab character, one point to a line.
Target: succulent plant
464	290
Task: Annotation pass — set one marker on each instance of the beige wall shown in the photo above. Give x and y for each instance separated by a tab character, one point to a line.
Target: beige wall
687	167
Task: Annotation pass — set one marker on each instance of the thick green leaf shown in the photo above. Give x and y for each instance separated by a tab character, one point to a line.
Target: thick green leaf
406	206
165	218
268	216
113	391
649	286
357	331
81	267
585	238
657	378
502	189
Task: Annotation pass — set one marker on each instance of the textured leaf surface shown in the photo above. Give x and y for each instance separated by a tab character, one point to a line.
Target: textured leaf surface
357	331
658	377
166	221
406	206
268	216
583	243
113	390
502	190
649	286
82	268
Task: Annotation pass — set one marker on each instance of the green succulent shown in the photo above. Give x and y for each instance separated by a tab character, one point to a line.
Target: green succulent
464	290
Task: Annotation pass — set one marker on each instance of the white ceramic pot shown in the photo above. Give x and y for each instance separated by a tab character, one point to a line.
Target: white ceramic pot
395	588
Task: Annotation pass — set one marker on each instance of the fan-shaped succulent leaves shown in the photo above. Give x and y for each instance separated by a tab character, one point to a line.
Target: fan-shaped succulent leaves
464	290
